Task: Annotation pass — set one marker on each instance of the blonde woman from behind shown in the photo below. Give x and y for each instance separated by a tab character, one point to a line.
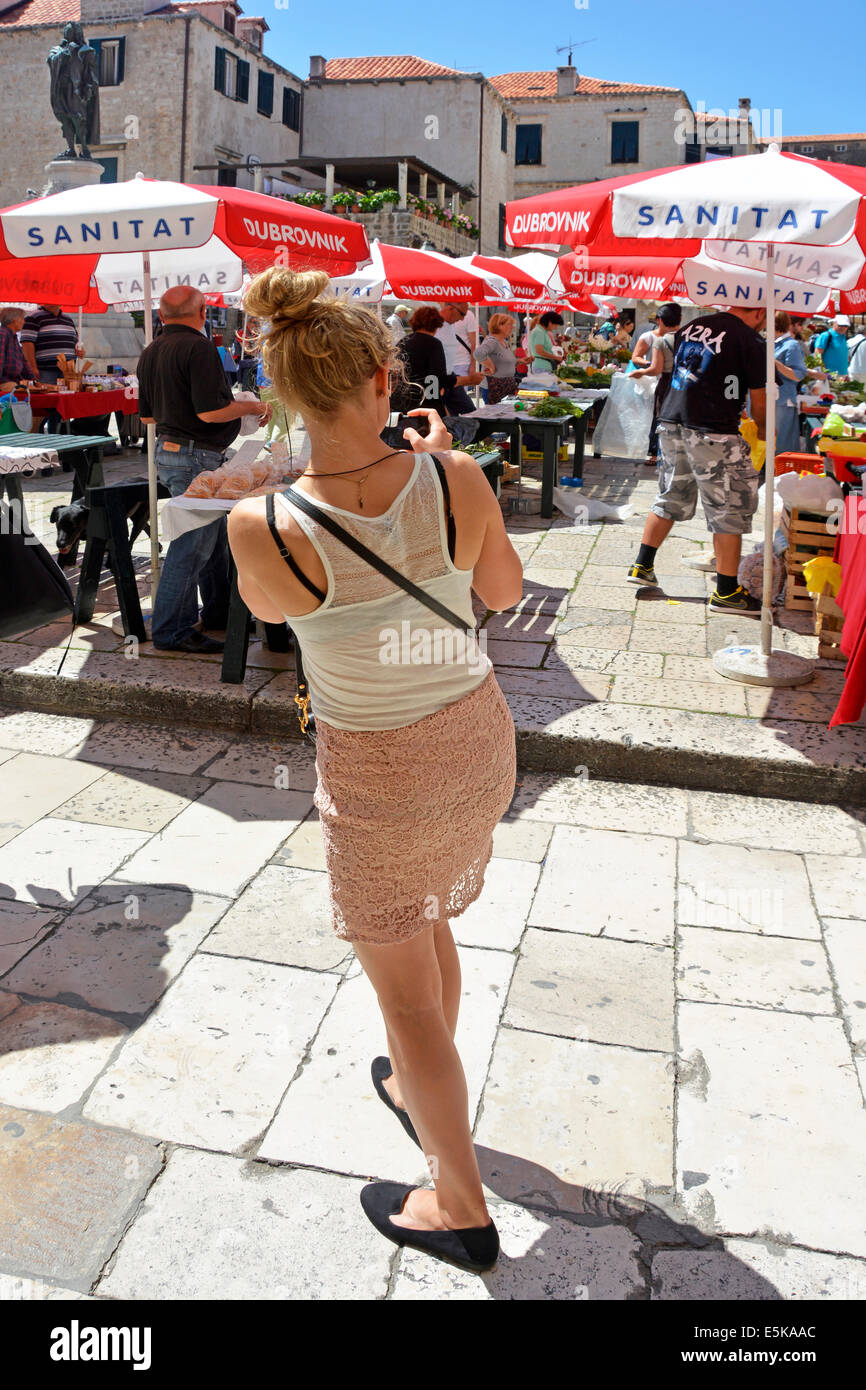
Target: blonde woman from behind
415	750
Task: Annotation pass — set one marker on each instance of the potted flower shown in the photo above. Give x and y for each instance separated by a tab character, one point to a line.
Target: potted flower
371	202
314	199
390	199
342	201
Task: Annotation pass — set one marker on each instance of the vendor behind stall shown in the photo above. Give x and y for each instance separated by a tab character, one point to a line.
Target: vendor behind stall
47	334
13	366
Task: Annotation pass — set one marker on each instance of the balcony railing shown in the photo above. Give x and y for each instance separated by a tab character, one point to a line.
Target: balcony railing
406	227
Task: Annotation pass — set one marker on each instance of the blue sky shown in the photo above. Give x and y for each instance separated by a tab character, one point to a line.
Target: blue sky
785	56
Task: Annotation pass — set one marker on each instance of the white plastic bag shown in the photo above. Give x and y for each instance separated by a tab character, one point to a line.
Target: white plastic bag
812	492
584	510
624	426
249	423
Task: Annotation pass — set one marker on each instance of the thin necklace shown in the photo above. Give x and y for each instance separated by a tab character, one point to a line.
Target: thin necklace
363	469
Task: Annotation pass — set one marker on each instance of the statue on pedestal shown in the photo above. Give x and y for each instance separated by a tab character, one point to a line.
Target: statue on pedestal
74	69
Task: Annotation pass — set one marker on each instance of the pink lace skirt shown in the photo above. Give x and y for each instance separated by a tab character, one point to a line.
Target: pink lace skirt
408	814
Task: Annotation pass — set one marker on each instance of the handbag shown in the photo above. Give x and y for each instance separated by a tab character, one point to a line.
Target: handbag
33	588
302	698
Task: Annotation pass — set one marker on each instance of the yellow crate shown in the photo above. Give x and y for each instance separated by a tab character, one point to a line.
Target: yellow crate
536	455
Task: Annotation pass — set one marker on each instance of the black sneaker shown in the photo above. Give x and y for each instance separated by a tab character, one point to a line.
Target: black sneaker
642	574
195	644
739	602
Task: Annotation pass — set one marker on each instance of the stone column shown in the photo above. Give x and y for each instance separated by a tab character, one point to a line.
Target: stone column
329	187
422	186
402	181
440	194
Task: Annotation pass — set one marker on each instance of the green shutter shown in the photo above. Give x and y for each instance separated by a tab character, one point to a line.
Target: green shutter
243	81
219	72
265	102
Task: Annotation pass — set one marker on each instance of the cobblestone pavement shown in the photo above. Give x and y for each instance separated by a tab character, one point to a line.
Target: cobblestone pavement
663	1029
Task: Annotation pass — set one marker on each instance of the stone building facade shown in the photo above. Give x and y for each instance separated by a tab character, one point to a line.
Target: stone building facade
837	149
449	120
161	113
573	129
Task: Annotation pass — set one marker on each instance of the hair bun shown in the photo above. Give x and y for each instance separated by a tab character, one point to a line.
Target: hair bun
285	296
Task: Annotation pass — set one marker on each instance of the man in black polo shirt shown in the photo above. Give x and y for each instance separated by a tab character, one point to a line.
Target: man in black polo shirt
183	389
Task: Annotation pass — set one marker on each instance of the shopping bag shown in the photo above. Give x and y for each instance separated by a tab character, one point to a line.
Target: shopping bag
624	426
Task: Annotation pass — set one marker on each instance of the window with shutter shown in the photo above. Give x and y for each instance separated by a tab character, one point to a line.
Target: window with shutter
110	55
291	108
265	98
503	244
527	144
624	145
503	133
243	87
219	70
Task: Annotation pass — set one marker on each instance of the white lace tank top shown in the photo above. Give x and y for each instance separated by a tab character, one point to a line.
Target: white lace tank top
374	656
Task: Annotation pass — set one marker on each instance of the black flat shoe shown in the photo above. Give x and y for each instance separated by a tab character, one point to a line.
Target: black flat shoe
380	1070
474	1248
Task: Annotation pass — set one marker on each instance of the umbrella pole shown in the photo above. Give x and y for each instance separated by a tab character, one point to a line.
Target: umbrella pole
761	665
80	325
770	458
151	439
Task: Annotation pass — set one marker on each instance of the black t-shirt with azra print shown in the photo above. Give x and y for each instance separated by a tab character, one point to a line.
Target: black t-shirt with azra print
718	359
427	377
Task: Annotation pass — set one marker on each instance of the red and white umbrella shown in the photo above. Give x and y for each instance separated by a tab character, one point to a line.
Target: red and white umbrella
407	273
624	277
144	219
776	200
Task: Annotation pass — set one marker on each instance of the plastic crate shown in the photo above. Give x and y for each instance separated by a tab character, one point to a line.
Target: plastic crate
799	463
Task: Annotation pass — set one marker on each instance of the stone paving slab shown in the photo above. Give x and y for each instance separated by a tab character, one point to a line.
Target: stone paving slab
592	989
542	1258
745	889
752	1158
119	950
603	881
116	798
22	926
32	787
763	972
751	1269
210	1065
284	917
56	863
221	840
563	1118
51	1055
250	1231
66	1193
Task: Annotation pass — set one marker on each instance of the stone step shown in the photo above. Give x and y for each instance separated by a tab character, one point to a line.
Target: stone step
793	758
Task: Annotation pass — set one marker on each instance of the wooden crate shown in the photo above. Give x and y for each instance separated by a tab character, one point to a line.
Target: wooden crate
797	596
807	536
829	619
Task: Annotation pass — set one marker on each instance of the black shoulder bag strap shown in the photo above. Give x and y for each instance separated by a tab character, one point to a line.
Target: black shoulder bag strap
302	699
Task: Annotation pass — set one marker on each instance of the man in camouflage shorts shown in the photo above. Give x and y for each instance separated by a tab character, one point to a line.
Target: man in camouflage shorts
718	359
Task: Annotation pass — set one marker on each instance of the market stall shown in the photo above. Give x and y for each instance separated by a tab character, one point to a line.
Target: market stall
851	556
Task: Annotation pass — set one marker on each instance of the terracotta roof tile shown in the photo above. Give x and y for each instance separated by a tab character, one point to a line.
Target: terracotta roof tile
401	65
516	86
58	12
809	139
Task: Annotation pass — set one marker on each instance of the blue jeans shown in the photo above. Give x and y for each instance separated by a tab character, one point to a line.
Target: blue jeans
198	559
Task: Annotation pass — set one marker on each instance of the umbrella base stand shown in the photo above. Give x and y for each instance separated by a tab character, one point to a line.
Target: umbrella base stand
751	666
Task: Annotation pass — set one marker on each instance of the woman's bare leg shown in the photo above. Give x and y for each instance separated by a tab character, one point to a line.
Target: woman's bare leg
449	971
408	983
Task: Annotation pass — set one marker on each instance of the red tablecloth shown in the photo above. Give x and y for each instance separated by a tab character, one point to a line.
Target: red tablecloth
851	555
81	405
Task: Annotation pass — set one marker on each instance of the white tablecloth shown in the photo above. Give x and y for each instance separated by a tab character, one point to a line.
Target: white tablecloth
26	460
180	514
506	411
